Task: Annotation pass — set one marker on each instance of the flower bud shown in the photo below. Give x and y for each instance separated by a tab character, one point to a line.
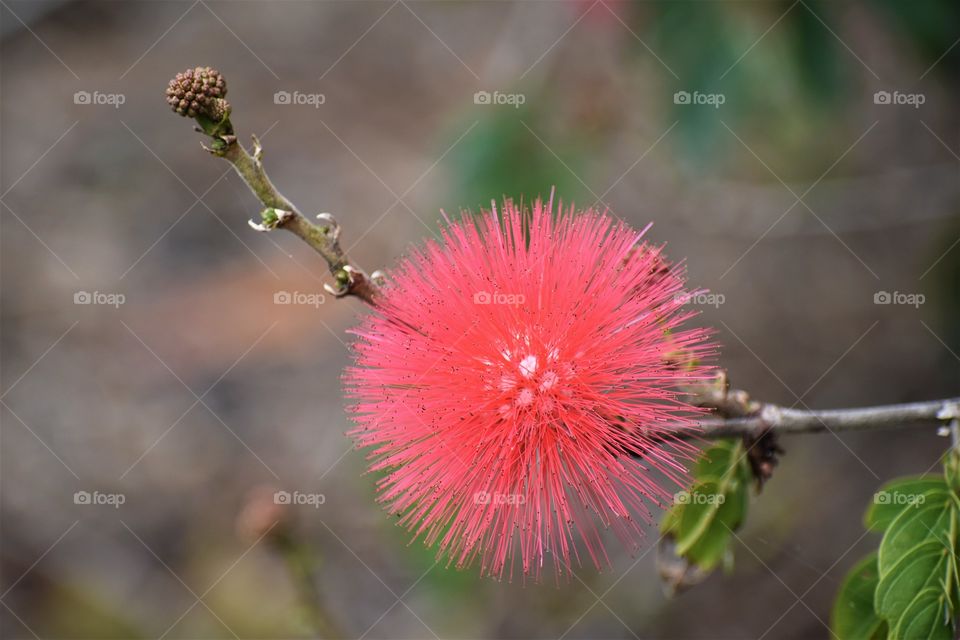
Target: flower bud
199	91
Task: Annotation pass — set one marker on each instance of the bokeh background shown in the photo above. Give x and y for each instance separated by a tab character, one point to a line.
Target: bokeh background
799	198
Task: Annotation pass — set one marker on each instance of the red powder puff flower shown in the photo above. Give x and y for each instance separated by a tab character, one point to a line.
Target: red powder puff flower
522	387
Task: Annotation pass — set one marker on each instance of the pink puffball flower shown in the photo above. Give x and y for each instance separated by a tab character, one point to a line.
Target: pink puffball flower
521	385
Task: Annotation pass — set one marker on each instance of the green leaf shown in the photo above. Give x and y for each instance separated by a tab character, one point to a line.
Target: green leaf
900	494
911	528
701	505
917	559
922	567
925	618
710	549
702	519
915	574
717	460
853	616
671	519
951	469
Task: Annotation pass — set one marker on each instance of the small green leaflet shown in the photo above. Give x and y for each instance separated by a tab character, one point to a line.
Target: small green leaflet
920	568
925	618
698	528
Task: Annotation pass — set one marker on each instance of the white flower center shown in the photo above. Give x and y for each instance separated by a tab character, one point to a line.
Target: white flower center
528	366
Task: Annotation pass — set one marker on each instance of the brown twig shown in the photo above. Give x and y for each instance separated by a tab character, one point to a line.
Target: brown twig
784	420
736	414
280	213
200	93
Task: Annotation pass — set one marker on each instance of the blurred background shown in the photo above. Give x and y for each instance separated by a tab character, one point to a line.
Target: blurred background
801	156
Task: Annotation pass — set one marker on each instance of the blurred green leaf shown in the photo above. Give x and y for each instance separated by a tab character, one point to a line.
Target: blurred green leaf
816	53
700	525
505	159
716	461
703	503
931	26
853	616
697	42
711	548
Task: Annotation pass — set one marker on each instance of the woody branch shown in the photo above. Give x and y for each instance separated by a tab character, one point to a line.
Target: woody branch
200	93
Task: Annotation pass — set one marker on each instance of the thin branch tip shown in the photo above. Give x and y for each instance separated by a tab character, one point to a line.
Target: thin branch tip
281	213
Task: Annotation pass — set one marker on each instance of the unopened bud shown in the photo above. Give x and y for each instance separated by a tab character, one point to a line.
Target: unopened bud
199	91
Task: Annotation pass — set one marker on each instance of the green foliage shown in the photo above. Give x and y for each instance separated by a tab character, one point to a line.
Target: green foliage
700	525
909	587
853	615
816	53
787	88
929	26
506	160
698	41
781	66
